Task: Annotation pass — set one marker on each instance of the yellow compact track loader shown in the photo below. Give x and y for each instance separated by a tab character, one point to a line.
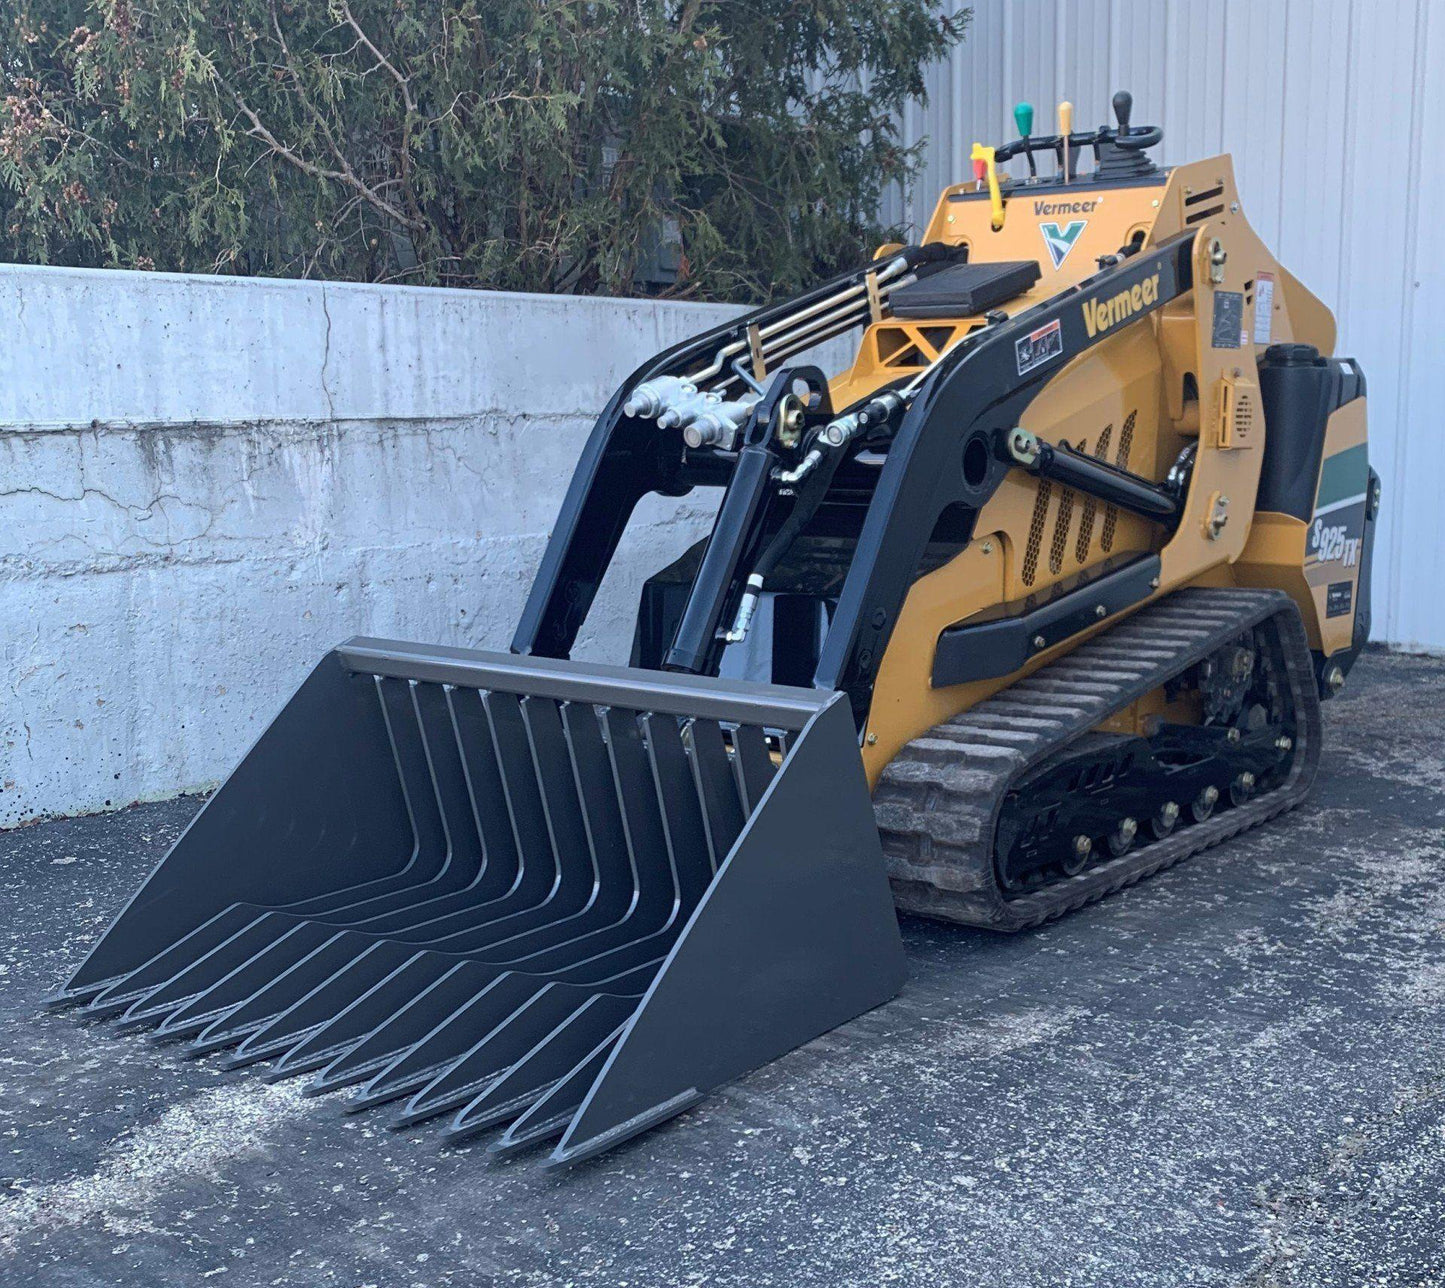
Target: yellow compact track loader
1037	597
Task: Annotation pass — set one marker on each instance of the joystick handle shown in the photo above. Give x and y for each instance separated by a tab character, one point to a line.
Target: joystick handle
1123	107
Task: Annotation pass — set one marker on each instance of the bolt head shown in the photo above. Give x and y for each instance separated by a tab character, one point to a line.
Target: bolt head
1284	742
1335	678
1039	641
1169	813
872	739
1082	845
1210	795
987	547
1246	779
1234	735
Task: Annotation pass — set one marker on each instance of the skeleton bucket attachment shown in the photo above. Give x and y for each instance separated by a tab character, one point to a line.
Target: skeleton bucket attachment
563	899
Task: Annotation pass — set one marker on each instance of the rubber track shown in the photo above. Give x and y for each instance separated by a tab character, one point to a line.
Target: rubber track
938	802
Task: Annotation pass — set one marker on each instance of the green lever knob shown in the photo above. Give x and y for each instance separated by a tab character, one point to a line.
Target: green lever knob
1024	119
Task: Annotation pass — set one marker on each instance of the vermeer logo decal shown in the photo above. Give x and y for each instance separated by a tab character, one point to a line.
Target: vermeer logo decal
1109	311
1060	239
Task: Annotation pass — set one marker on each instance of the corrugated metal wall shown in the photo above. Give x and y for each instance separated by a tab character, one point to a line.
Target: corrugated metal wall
1334	111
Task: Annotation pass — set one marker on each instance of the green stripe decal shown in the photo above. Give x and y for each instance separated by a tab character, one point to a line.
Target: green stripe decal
1344	474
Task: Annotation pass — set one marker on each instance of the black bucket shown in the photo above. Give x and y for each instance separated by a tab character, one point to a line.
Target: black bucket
559	898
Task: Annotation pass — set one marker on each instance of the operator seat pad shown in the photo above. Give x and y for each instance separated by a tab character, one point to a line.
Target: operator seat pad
965	290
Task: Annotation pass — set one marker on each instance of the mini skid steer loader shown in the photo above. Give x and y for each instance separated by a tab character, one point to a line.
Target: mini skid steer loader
1037	597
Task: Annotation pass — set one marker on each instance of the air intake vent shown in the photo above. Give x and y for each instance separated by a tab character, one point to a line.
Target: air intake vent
1036	532
1203	205
1121	459
1091	506
1061	531
1237	400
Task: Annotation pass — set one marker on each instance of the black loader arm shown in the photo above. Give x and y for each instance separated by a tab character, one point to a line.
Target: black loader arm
627	457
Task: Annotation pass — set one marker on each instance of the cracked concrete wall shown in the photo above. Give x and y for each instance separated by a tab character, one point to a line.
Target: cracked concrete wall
207	482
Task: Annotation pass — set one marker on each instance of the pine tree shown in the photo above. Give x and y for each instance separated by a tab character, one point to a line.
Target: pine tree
538	145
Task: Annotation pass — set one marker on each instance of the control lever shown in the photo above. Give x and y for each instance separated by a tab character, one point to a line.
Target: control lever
1024	119
1123	107
984	156
1129	139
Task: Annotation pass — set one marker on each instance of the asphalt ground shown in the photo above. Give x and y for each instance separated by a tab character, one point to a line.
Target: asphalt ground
1231	1074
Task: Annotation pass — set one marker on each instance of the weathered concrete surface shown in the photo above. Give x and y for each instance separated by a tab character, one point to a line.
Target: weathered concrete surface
1233	1074
207	482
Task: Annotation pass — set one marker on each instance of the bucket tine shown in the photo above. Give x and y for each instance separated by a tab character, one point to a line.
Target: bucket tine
682	818
549	1115
341	1033
194	988
712	769
601	815
638	886
274	1019
285	985
487	879
501	862
429	1005
555	778
448	1039
515	1089
496	1051
753	763
300	942
124	992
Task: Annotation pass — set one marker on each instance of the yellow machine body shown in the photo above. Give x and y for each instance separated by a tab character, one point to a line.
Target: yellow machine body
1136	400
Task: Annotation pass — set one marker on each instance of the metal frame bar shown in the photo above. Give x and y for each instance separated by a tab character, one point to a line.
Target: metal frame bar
672	693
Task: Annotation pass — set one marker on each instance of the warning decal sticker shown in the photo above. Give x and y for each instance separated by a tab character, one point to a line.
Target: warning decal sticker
1039	346
1263	307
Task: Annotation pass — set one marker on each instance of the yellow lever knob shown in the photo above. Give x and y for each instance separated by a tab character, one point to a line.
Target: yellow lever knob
1066	128
981	152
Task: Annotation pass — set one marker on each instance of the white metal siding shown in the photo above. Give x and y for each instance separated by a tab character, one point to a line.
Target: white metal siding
1334	112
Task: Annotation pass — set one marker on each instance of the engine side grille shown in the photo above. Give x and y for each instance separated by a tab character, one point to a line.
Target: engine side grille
1091	505
1061	531
1121	459
1036	532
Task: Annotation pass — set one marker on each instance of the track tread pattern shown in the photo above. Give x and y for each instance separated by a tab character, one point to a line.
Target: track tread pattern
938	801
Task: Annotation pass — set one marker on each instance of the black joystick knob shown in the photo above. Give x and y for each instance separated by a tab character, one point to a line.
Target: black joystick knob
1121	154
1123	106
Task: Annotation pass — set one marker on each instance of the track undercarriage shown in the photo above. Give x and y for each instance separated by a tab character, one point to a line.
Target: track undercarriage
1020	809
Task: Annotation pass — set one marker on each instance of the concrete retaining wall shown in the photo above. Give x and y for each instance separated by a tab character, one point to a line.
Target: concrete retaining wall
207	482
